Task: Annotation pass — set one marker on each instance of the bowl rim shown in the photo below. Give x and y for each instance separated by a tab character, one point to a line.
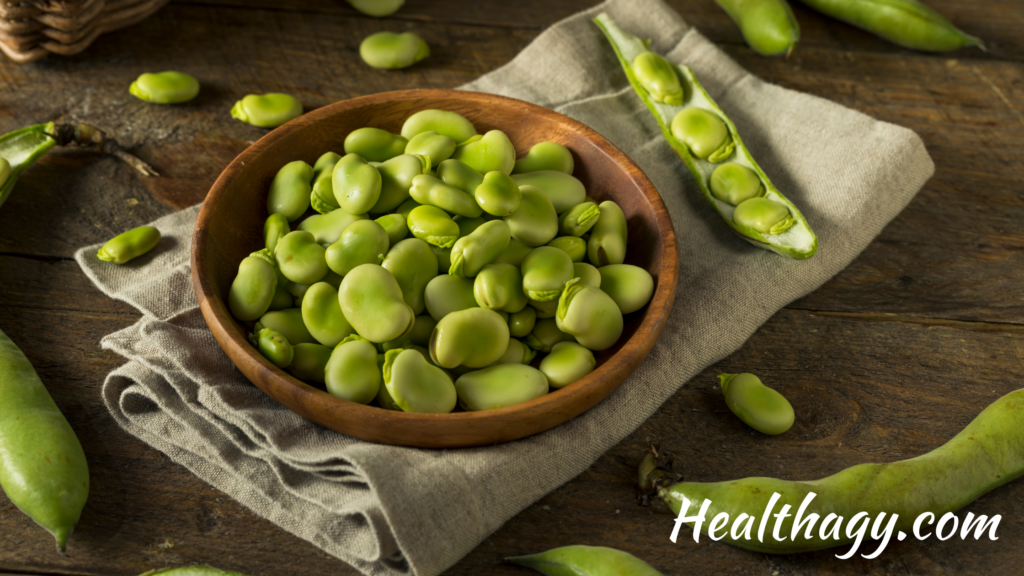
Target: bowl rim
562	404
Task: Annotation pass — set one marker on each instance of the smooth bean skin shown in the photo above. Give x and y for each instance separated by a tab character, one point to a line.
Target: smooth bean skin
446	294
545	156
373	303
587	273
437	147
733	183
564	190
586	561
607	243
374	144
535	223
545	309
421	331
300	258
500	287
267	110
758	406
575	247
579	219
468	225
378	8
658	77
327	228
567	363
483	246
322	198
516	353
395	227
168	87
475	337
457	174
764	215
406	207
433	226
275	347
290	190
275	228
309	362
590	315
282	298
444	258
498	194
413	265
545	272
44	471
493	152
514	253
396	179
545	335
129	245
392	51
908	23
768	26
363	242
499	386
417	386
289	323
631	287
357	185
521	323
322	315
451	124
191	571
352	372
427	189
704	134
253	288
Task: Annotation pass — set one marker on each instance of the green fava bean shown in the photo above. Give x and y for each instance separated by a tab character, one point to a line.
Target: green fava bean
499	386
630	286
437	147
658	77
535	223
363	242
475	337
768	26
191	571
254	286
290	190
288	322
427	189
546	334
521	323
579	219
419	336
545	272
455	173
607	243
405	207
444	258
374	144
327	228
590	315
545	309
322	199
413	265
372	302
493	152
275	228
498	194
357	185
451	124
468	225
129	245
446	294
514	253
44	470
165	87
703	133
378	8
396	179
587	273
267	110
417	386
758	406
764	215
500	287
392	51
545	156
483	246
564	190
575	247
309	362
586	561
322	315
275	347
394	225
433	226
300	258
282	297
733	183
352	373
516	353
567	363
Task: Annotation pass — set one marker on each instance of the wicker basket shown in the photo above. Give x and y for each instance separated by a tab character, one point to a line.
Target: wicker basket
32	29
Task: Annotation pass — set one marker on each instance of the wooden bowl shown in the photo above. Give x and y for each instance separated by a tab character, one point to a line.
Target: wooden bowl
230	226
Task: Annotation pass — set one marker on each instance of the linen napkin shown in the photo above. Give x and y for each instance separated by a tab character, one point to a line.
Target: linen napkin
381	508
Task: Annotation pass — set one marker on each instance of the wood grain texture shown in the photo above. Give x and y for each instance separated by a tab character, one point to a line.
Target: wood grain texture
886	361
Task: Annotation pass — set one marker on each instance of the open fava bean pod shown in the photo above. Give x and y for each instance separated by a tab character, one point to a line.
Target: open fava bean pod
708	142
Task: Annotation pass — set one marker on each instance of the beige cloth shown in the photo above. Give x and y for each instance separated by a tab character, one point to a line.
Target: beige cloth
391	510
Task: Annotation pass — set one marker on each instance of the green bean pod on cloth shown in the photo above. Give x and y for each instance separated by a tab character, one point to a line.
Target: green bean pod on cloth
986	454
42	465
792	235
585	561
768	26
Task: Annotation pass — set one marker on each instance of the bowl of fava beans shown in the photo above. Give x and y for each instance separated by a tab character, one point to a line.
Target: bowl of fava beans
435	268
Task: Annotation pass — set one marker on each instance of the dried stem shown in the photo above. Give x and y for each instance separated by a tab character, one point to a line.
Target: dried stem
87	136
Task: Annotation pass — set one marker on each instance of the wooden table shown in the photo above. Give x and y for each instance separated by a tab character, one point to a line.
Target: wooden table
886	361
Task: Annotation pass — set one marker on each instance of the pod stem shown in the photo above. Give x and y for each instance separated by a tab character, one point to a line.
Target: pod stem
87	136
